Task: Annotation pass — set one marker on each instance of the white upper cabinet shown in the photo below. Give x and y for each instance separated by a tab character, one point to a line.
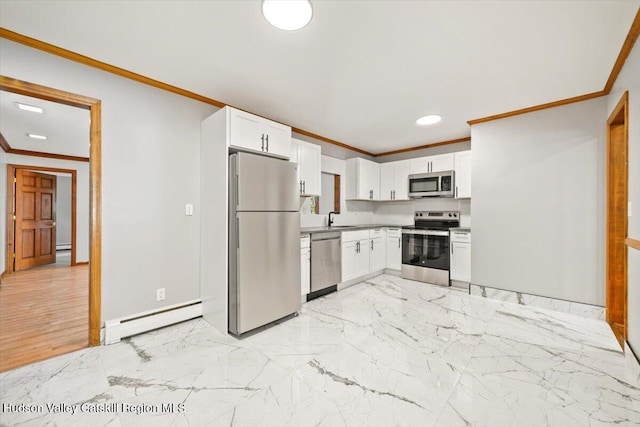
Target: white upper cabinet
362	180
463	174
442	162
394	180
308	157
253	133
387	184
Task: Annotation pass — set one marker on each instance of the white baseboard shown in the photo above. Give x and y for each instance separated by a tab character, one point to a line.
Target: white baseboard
115	330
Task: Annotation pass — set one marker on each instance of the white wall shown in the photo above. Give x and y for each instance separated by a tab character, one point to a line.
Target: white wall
63	210
82	197
629	80
150	161
539	202
351	212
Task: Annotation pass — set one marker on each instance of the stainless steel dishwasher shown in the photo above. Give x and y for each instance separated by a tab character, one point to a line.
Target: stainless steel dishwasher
326	263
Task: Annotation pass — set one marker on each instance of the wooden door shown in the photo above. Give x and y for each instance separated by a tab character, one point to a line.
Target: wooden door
35	219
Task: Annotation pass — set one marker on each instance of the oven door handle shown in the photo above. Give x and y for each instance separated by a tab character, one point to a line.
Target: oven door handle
427	232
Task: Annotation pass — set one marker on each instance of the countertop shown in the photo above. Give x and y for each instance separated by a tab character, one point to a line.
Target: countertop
462	229
325	229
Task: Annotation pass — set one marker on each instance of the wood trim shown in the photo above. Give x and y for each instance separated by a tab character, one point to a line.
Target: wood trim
538	107
330	141
8	263
615	114
85	60
82	263
634	31
95	225
617	177
95	184
422	147
632	243
47	155
627	46
632	36
4	144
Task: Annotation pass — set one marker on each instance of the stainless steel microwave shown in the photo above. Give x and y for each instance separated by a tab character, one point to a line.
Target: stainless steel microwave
433	184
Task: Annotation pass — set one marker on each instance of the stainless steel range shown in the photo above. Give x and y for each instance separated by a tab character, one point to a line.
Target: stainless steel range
425	246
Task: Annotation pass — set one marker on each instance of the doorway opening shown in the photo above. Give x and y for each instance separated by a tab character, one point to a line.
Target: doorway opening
617	221
95	166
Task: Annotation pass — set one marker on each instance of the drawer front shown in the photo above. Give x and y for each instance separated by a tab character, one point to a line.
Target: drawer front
350	236
460	236
394	232
376	233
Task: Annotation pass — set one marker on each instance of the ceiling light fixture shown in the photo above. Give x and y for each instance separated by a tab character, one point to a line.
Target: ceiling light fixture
35	136
429	119
288	15
27	107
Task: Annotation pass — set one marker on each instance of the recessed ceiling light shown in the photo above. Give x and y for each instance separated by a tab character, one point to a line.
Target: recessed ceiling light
287	15
35	136
27	107
428	120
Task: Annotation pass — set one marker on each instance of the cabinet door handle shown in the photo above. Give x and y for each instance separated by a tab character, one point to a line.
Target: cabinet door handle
357	247
304	186
398	243
371	244
262	139
267	143
456	191
300	186
394	194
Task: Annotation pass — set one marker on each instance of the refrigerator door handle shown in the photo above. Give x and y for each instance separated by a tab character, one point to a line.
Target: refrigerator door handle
267	138
262	139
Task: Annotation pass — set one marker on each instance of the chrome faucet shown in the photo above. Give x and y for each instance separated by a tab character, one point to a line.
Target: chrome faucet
330	221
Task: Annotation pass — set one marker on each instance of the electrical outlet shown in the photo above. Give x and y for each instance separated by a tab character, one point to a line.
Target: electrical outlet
188	209
160	294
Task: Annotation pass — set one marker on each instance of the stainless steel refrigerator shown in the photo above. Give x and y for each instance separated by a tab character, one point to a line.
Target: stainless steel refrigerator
264	241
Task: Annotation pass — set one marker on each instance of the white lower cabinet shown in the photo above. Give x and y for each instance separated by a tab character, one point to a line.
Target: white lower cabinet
305	265
394	248
461	256
377	250
355	254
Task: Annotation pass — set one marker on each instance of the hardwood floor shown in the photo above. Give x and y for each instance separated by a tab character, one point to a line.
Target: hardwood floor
43	313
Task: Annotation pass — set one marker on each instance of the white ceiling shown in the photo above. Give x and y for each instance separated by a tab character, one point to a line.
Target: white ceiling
66	128
362	71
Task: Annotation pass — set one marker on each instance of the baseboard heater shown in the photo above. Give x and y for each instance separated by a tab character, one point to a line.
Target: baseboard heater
115	330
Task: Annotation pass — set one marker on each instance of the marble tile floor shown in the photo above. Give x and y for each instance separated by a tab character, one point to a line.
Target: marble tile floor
385	352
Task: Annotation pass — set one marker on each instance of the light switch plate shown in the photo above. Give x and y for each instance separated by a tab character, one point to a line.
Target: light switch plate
188	209
160	295
629	210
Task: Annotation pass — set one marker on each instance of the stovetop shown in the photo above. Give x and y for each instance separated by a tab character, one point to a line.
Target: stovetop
434	220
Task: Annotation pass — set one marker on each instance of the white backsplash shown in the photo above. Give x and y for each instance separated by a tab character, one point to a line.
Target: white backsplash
352	213
401	213
392	213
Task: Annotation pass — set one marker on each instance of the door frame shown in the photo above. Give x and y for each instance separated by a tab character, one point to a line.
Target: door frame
95	176
618	117
11	197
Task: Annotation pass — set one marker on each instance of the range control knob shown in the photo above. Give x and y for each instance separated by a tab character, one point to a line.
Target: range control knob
449	215
455	214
